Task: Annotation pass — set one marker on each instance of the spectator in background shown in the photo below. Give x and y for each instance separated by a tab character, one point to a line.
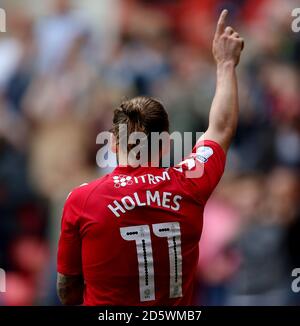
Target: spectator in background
267	207
140	59
23	211
57	33
55	94
219	260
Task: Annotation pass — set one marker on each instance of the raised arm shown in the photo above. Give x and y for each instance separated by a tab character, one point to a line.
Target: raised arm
223	118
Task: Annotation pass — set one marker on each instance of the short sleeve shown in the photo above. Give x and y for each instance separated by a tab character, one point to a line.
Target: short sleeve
202	170
69	246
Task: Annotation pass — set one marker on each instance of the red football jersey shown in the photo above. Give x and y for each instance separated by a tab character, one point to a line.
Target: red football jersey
134	233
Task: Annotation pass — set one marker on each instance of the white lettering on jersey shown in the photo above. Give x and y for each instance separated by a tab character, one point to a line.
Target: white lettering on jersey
127	180
116	208
129	202
153	198
136	196
176	202
203	153
166	199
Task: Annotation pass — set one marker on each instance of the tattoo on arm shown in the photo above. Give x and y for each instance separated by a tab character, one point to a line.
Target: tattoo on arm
70	289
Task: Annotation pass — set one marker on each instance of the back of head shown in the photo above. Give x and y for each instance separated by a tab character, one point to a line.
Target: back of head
140	114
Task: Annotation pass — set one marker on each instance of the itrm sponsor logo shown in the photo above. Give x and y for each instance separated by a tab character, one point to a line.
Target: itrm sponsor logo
2	20
2	280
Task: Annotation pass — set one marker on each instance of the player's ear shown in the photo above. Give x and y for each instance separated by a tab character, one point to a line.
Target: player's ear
113	143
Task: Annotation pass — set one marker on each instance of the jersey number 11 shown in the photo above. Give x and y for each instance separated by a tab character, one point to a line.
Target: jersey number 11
142	237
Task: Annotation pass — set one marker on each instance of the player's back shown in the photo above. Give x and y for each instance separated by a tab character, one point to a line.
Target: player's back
136	233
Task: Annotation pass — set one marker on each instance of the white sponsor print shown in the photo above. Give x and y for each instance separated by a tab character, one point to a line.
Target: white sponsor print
121	181
188	164
202	155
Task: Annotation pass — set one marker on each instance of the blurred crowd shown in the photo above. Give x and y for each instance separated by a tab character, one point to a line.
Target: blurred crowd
62	74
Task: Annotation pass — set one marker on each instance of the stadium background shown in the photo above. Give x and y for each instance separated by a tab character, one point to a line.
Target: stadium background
62	71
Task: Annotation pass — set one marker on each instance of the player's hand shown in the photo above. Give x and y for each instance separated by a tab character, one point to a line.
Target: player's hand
227	43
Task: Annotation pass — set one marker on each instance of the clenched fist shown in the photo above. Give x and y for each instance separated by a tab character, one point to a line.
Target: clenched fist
227	43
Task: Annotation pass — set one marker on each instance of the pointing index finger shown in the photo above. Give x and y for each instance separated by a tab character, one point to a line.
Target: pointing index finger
221	22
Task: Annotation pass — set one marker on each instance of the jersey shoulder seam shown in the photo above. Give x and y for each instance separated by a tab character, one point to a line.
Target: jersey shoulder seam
90	192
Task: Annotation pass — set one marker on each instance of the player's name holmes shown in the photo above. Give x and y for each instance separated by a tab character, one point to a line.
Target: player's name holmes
148	198
150	315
